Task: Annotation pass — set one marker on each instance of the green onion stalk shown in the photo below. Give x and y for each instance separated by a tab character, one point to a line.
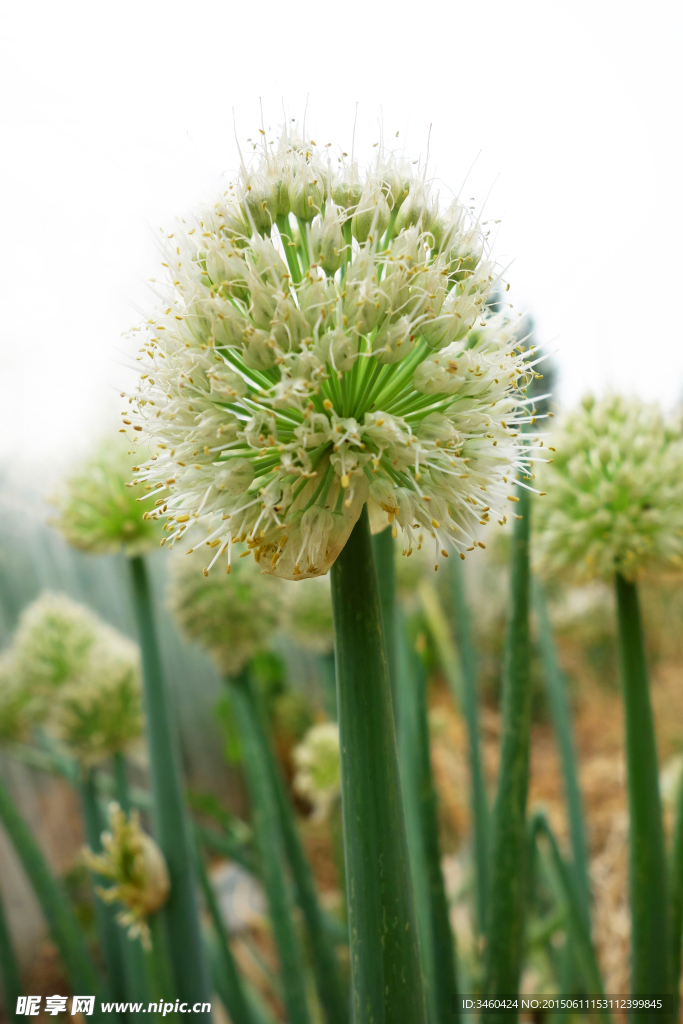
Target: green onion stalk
234	994
384	551
650	950
331	993
461	676
385	961
509	846
62	923
420	804
266	824
181	913
561	716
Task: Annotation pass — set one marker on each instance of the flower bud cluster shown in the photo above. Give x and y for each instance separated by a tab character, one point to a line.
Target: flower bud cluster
76	675
615	492
318	764
98	511
232	618
136	866
326	341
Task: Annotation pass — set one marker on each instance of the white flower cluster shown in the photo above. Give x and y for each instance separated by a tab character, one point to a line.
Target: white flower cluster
76	675
325	341
615	492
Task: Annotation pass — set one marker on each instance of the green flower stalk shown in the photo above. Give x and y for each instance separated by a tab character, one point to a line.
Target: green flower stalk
506	904
318	774
137	869
614	511
98	511
325	344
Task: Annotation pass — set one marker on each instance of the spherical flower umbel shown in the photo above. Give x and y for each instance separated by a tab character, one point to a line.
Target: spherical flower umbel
326	341
318	776
232	618
52	644
136	865
615	492
98	508
76	675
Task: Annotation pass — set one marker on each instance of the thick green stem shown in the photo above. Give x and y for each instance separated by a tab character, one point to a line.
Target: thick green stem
233	991
509	846
170	819
9	967
269	841
54	903
561	715
385	961
677	900
109	932
650	951
420	803
383	548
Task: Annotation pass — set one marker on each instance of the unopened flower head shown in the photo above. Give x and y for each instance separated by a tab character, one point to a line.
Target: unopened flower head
310	615
615	492
326	341
231	616
136	865
318	776
100	713
98	507
53	644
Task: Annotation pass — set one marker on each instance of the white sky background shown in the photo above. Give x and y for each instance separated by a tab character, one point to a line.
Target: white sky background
115	118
